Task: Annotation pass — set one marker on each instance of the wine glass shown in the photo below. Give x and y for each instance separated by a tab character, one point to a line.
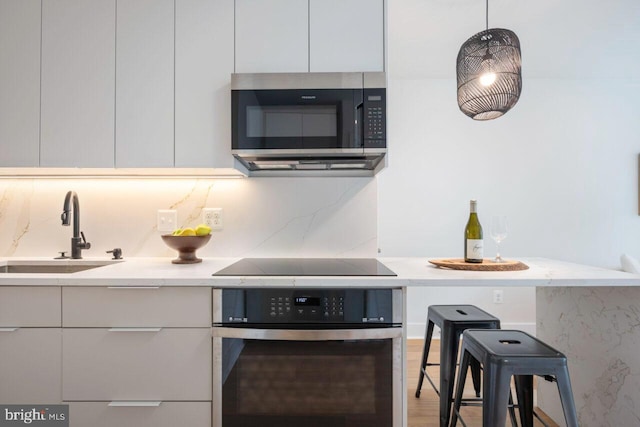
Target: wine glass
499	232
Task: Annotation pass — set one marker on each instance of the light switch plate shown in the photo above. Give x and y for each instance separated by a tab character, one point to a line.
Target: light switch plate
167	220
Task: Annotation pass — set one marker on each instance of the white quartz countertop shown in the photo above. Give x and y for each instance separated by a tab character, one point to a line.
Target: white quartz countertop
410	272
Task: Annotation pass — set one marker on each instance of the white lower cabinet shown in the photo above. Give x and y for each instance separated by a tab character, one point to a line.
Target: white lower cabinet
165	306
166	414
136	364
30	306
125	357
30	345
30	365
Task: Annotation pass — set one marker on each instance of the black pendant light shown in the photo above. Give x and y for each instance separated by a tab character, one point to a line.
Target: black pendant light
489	73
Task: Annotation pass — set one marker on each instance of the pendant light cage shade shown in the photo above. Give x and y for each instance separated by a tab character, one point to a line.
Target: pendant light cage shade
489	74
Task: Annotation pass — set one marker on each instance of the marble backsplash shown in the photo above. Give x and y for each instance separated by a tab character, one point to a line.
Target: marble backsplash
286	217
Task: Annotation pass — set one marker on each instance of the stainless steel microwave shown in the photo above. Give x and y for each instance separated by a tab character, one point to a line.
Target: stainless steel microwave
309	122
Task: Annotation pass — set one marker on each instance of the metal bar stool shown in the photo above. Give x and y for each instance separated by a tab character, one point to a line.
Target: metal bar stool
507	353
452	320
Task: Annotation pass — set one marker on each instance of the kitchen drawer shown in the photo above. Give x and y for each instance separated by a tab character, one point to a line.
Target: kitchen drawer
129	306
30	365
136	364
29	306
166	414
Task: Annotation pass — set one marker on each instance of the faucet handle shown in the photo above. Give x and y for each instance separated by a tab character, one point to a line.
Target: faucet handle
85	244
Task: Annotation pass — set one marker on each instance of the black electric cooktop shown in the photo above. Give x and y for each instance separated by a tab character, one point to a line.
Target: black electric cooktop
306	267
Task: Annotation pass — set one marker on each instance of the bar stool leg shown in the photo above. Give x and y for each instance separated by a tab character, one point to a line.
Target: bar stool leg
475	375
566	397
425	355
524	391
462	376
449	340
494	406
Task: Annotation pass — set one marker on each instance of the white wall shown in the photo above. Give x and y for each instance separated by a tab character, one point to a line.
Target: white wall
562	165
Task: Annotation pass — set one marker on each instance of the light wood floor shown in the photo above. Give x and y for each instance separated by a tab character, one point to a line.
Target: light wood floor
424	411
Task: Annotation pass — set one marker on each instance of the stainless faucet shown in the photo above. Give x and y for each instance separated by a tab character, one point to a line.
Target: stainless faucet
77	243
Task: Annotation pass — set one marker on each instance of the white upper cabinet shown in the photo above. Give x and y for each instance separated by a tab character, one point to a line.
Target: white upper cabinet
272	36
314	35
346	35
19	82
144	83
204	62
78	83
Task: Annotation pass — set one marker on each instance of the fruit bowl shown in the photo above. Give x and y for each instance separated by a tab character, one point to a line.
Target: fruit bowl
186	247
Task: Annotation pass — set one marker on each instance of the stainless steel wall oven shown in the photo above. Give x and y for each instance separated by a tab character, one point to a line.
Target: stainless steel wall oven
314	357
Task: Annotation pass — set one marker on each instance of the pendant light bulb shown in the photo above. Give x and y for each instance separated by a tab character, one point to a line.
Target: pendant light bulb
487	79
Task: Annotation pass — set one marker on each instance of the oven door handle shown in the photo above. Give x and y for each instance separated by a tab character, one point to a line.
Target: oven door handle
307	334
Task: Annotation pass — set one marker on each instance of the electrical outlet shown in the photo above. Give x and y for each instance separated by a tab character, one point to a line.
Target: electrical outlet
498	296
213	218
167	220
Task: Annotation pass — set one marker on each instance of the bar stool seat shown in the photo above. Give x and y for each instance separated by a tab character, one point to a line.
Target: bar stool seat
506	353
452	321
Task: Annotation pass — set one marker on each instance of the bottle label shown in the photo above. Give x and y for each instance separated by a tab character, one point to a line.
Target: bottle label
475	249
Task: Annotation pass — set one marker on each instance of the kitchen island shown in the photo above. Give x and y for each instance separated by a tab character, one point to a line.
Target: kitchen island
590	314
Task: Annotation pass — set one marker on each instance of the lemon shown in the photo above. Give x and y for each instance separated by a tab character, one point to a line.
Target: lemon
176	232
203	230
187	232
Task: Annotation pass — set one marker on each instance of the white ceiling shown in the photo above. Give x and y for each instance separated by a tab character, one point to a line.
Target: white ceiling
559	38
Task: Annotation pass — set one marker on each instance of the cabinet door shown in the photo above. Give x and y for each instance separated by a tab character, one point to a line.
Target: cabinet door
129	307
78	83
31	368
204	63
272	36
346	35
19	83
137	364
167	414
30	306
144	83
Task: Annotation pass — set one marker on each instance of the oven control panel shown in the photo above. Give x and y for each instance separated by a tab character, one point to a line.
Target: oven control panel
307	306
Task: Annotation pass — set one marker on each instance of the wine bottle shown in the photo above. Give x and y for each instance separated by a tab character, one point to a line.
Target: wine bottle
473	246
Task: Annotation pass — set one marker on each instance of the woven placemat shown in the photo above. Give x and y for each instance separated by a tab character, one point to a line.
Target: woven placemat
486	265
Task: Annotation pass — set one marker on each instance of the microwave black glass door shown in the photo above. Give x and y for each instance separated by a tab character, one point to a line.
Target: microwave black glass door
296	119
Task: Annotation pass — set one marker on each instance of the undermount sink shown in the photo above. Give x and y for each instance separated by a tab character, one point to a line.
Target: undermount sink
51	267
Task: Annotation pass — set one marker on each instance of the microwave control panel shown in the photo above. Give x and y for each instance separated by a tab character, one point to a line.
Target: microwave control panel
375	127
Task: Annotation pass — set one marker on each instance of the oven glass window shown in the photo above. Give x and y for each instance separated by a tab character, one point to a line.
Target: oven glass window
307	383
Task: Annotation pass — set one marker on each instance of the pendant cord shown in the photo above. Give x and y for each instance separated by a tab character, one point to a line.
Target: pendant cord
487	15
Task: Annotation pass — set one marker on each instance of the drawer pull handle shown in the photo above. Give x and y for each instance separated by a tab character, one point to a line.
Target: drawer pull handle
133	287
140	404
135	329
8	329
